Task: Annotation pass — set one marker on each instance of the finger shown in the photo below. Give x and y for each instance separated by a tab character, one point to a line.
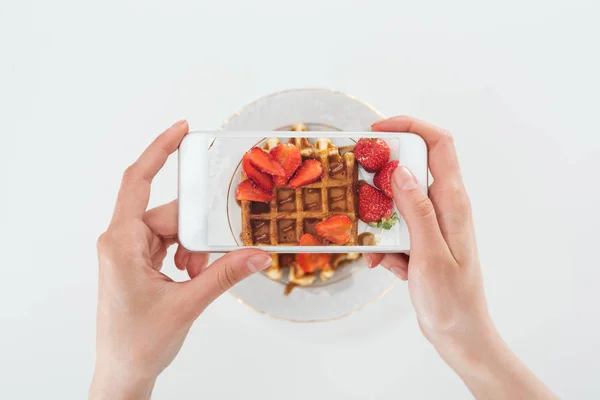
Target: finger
396	264
447	193
196	264
373	259
443	161
158	258
453	210
181	258
162	220
135	188
221	275
418	212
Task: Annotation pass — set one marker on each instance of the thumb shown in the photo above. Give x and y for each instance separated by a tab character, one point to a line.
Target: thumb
225	272
416	208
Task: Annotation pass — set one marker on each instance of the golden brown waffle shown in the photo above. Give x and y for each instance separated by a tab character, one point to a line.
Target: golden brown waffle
294	212
297	277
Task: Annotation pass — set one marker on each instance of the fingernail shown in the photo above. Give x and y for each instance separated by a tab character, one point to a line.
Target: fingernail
259	262
404	179
179	123
399	272
378	122
368	260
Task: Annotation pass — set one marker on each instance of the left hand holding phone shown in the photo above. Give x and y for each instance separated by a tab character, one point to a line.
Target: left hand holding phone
143	315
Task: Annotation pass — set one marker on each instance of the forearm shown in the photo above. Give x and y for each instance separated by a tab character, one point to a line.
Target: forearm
117	387
492	371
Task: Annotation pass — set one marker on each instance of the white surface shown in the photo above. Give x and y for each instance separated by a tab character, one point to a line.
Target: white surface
84	87
207	182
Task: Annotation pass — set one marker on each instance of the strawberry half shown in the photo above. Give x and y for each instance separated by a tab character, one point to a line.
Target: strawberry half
288	156
336	229
375	208
310	262
262	179
265	162
309	171
250	191
372	154
383	178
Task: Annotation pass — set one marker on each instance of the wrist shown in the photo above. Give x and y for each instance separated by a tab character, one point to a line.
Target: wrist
484	362
472	347
110	384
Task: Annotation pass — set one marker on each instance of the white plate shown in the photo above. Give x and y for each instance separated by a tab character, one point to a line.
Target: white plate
354	286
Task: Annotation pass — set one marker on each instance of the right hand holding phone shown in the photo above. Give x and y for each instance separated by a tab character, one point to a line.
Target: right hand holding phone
444	274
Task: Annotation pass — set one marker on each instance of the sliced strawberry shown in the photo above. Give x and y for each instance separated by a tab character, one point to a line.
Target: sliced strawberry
250	191
265	162
336	229
288	156
262	179
309	240
310	262
309	171
383	178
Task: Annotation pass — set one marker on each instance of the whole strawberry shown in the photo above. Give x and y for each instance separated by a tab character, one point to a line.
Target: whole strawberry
375	208
383	178
372	154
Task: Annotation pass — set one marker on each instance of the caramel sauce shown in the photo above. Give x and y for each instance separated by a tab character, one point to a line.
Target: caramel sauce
287	260
260	231
337	199
258	207
312	199
263	238
310	226
286	200
366	239
286	229
288	288
336	167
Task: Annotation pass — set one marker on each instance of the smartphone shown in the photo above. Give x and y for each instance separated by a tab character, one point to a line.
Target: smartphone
288	194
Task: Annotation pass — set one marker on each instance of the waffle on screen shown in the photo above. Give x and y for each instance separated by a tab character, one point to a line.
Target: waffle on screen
294	212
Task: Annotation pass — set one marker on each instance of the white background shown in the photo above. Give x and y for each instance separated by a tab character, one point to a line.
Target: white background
85	86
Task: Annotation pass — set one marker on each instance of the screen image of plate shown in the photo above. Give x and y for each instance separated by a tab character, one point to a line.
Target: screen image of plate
284	290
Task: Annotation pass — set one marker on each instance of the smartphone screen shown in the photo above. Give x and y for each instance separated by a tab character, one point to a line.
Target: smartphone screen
288	192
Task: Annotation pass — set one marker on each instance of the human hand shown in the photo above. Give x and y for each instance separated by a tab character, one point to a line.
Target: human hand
444	274
143	315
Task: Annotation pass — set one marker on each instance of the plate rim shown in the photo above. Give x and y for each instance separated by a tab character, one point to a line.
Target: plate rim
316	320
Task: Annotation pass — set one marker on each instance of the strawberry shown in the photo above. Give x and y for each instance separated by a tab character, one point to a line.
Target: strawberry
336	229
309	262
372	154
375	208
383	178
262	179
309	240
250	191
265	162
288	156
309	171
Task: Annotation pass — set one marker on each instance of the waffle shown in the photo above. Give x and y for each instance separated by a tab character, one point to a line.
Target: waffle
297	276
294	212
